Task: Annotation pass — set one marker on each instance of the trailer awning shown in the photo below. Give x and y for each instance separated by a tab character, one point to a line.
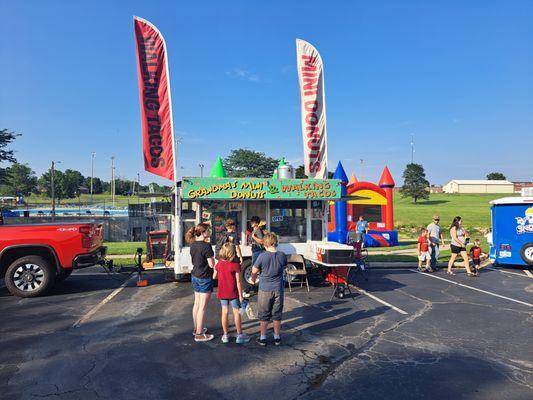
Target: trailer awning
260	189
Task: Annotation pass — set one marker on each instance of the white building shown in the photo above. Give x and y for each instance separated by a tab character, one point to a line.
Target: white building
478	186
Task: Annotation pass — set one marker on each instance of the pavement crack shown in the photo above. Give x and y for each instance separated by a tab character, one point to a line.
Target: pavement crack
355	352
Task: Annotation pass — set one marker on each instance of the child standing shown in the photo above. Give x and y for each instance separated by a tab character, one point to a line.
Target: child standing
423	251
230	290
201	277
230	236
270	266
476	252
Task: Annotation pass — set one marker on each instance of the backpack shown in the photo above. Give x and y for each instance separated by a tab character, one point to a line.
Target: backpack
221	241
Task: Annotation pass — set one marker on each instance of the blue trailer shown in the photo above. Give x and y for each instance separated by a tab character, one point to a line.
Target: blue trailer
512	231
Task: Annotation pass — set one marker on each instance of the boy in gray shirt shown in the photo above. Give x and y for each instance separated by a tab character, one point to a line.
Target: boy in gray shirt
270	266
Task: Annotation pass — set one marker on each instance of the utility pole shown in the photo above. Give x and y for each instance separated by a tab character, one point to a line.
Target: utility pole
176	150
93	154
53	189
138	183
412	148
201	170
113	180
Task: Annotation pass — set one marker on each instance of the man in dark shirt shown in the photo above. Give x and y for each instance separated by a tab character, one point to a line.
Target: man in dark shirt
270	266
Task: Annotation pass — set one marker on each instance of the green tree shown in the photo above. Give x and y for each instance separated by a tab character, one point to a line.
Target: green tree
71	182
45	184
21	179
6	137
98	185
248	163
300	172
415	183
496	176
122	186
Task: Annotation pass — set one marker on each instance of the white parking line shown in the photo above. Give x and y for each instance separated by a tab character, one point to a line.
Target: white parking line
95	309
473	288
362	291
528	274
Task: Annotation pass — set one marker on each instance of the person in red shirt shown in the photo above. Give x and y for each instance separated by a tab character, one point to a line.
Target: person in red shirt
423	251
476	253
228	273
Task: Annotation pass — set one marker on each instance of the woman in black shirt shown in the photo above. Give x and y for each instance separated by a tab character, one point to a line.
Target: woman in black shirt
201	277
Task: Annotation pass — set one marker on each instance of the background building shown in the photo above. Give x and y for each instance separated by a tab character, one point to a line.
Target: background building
518	186
478	186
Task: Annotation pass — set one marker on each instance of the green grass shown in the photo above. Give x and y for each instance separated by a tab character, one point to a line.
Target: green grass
474	210
123	248
124	262
409	244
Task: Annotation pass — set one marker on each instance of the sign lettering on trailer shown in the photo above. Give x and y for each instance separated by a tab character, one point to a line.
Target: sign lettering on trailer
260	189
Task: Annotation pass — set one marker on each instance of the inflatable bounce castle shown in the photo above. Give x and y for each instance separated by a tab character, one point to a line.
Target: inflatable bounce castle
373	202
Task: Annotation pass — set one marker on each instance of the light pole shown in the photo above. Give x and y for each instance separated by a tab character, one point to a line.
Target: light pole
113	180
178	141
93	154
53	189
201	170
138	183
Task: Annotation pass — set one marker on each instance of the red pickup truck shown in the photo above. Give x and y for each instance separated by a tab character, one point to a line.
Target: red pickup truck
34	257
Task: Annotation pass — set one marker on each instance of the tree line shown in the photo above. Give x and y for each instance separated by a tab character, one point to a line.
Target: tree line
20	179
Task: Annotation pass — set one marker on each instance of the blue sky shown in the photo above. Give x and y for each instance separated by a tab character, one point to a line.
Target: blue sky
458	75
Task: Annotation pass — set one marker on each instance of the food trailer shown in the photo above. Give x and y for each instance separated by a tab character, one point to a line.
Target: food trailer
294	209
511	239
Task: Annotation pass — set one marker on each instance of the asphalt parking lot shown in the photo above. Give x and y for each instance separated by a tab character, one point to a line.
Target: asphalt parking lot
404	335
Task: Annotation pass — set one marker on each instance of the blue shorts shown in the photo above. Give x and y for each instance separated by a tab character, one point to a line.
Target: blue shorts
202	285
235	303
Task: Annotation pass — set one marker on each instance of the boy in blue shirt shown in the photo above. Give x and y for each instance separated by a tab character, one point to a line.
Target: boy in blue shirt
362	227
270	266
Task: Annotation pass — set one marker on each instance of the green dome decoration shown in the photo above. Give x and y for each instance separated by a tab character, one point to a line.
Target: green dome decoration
218	169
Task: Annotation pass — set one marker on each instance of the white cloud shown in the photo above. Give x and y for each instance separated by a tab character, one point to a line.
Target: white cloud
243	73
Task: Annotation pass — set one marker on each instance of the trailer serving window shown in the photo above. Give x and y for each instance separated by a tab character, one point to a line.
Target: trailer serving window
216	212
288	219
188	217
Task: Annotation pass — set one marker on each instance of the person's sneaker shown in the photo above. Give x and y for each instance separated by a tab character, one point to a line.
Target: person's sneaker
242	338
277	341
225	339
261	342
203	331
203	337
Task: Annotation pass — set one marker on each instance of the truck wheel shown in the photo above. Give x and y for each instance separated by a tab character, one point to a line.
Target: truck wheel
29	276
64	274
527	253
246	274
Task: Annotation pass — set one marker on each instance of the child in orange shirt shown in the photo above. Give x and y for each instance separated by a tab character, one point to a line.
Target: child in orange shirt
476	253
423	251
